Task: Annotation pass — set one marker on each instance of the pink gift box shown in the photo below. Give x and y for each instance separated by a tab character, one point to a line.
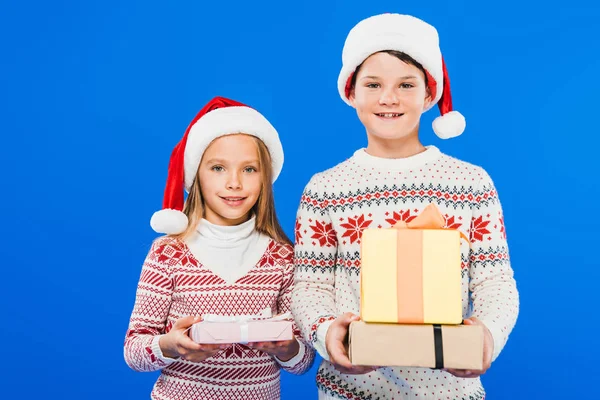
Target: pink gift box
241	332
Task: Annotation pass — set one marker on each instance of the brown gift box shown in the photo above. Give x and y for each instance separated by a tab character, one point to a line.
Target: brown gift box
401	345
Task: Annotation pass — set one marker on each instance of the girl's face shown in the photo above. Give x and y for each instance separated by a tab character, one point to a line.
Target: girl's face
230	180
389	96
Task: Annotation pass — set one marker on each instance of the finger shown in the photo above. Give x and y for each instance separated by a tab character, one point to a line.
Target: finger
186	322
464	373
339	348
487	357
456	372
363	369
339	357
355	370
213	347
340	331
472	321
189	348
488	352
348	318
279	343
198	357
185	342
269	348
204	349
258	344
217	346
342	369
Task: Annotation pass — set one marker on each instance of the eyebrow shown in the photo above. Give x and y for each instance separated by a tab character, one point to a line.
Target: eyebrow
376	77
222	161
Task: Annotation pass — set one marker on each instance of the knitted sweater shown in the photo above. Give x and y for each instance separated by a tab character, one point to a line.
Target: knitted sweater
370	192
175	284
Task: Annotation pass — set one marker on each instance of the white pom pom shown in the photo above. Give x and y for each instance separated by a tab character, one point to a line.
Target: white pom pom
449	125
169	221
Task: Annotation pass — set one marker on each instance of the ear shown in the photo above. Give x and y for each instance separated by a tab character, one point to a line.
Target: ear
428	99
352	98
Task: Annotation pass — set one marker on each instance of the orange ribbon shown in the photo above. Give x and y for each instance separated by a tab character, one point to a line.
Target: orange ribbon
429	218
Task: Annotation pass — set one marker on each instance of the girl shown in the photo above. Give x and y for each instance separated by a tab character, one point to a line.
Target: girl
392	72
224	254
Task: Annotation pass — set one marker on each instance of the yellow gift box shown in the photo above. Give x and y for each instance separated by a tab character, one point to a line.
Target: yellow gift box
411	273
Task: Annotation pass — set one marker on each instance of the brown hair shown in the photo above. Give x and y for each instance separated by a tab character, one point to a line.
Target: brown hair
399	55
264	208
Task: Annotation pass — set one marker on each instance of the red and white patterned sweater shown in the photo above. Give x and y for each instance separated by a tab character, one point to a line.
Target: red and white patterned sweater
174	284
371	192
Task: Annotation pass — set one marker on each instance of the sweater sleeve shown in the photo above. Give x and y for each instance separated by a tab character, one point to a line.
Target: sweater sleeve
494	294
306	354
150	311
315	255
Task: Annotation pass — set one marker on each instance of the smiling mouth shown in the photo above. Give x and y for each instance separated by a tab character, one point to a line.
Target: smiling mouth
233	199
389	115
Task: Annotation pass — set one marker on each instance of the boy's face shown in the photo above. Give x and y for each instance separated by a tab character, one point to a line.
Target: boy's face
389	97
230	179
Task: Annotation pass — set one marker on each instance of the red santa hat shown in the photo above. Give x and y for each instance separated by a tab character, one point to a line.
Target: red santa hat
415	38
218	118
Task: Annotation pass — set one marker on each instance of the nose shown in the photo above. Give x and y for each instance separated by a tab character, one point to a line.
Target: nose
233	181
388	97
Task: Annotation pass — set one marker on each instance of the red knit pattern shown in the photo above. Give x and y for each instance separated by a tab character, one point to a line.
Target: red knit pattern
173	284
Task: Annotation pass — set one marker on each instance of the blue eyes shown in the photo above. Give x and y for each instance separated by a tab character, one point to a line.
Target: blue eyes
219	168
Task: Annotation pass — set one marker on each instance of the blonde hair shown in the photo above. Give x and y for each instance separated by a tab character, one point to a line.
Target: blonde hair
264	208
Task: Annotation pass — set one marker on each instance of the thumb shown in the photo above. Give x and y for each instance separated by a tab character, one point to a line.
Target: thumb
471	321
348	318
186	322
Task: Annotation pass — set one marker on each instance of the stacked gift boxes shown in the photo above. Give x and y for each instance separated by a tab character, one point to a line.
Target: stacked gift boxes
411	306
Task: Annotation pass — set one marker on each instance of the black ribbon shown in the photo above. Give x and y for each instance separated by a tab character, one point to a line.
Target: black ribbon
438	346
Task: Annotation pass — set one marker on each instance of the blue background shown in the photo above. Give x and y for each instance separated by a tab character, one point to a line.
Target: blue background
94	95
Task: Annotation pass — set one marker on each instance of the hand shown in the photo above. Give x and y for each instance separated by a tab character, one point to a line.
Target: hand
177	343
336	342
488	350
284	350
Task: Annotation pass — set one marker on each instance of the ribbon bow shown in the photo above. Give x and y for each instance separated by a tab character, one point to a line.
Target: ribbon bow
429	218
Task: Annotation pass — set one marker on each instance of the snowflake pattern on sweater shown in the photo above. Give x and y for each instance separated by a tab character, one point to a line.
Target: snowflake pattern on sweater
369	192
174	284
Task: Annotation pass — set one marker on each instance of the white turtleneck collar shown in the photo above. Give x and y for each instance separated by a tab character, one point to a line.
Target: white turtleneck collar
228	251
226	236
364	159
